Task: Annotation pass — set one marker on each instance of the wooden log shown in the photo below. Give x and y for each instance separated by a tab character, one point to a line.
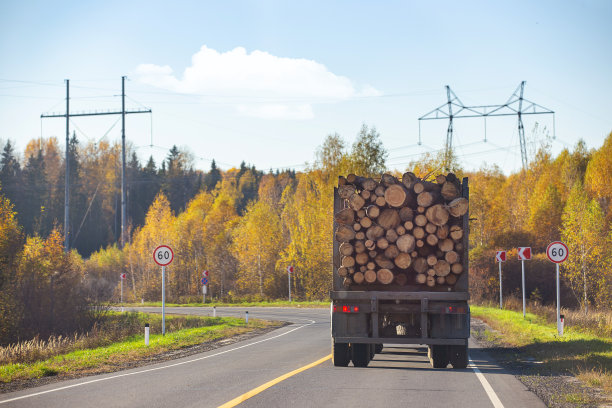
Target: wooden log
368	184
359	246
414	254
397	196
356	202
408	180
427	198
388	180
456	232
451	257
352	178
432	240
451	279
442	268
360	235
370	276
431	281
391	235
373	254
379	191
422	185
430	228
405	243
362	268
345	216
380	201
456	268
344	233
440	280
342	181
431	272
425	251
365	194
421	209
362	258
361	213
449	191
365	222
406	214
348	261
346	249
347	282
446	245
437	214
388	219
372	211
375	232
420	278
392	252
458	207
432	260
420	243
400	230
420	265
401	279
357	227
418	232
370	244
409	225
440	179
346	191
403	260
384	276
383	262
382	243
358	278
442	232
342	271
459	246
420	220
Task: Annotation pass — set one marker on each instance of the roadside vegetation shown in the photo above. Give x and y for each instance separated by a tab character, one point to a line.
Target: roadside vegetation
532	343
114	343
245	303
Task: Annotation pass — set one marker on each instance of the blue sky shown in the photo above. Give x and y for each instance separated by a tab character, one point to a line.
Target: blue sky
270	79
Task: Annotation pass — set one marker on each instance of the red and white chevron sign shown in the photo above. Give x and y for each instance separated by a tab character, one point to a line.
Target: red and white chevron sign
500	256
122	276
524	253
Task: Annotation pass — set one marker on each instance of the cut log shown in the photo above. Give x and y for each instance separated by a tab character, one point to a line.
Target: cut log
440	280
451	279
357	226
362	258
388	219
432	260
373	254
414	254
342	271
360	235
409	225
408	180
405	243
431	281
344	233
401	279
391	235
352	178
421	186
397	196
370	244
345	216
421	210
420	243
458	207
384	276
442	268
365	194
425	251
440	179
361	213
382	243
346	191
375	232
359	247
418	232
342	181
432	240
456	268
371	265
442	232
356	202
348	261
431	272
383	262
370	276
421	278
427	198
437	215
380	201
388	180
346	249
459	246
358	278
347	282
365	222
451	257
449	191
420	220
446	245
420	265
403	260
406	214
391	252
400	230
369	184
372	211
430	228
379	191
362	268
456	232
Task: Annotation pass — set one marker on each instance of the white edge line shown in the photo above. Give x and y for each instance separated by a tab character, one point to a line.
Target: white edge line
152	369
487	387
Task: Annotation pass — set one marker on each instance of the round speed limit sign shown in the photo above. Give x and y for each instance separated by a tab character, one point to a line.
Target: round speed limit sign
557	252
163	255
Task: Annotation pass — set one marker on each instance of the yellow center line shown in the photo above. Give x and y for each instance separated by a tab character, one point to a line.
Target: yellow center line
269	384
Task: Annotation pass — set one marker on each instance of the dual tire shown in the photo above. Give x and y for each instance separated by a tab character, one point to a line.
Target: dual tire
440	356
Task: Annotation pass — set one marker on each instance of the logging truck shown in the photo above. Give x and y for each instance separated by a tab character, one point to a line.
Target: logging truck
400	268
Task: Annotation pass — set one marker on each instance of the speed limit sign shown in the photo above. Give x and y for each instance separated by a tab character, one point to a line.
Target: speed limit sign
163	255
557	252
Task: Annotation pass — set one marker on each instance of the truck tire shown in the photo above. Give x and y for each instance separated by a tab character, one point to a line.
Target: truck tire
438	355
341	355
372	348
361	354
458	356
379	348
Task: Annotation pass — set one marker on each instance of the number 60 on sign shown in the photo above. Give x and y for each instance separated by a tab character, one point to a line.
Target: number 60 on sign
557	252
163	255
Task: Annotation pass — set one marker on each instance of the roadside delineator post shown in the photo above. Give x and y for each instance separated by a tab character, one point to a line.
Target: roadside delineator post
562	322
146	334
246	319
214	311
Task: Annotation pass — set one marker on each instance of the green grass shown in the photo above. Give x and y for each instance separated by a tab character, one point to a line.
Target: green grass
111	357
273	303
584	355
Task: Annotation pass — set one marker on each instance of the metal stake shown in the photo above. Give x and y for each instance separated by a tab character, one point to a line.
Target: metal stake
523	280
501	304
163	300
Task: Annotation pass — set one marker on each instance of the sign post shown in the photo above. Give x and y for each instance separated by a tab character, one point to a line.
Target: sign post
558	252
500	256
524	254
163	256
204	288
289	272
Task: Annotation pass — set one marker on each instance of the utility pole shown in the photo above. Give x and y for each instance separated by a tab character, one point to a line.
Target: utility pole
67	182
68	115
449	132
521	129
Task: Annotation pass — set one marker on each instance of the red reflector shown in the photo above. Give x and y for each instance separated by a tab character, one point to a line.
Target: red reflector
346	309
335	308
355	309
455	309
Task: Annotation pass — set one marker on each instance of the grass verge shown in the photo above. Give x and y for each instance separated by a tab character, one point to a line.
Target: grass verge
273	303
533	343
132	349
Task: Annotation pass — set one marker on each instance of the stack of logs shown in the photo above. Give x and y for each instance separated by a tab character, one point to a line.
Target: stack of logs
399	231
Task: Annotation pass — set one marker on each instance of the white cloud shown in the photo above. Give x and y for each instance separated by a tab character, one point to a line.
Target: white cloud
261	84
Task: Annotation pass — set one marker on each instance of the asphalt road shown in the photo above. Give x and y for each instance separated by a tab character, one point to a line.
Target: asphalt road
398	377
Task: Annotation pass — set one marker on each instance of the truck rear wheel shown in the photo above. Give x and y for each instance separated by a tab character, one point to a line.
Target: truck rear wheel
341	355
361	354
379	348
438	355
458	356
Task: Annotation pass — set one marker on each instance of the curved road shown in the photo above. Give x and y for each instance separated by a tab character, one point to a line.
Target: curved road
280	360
